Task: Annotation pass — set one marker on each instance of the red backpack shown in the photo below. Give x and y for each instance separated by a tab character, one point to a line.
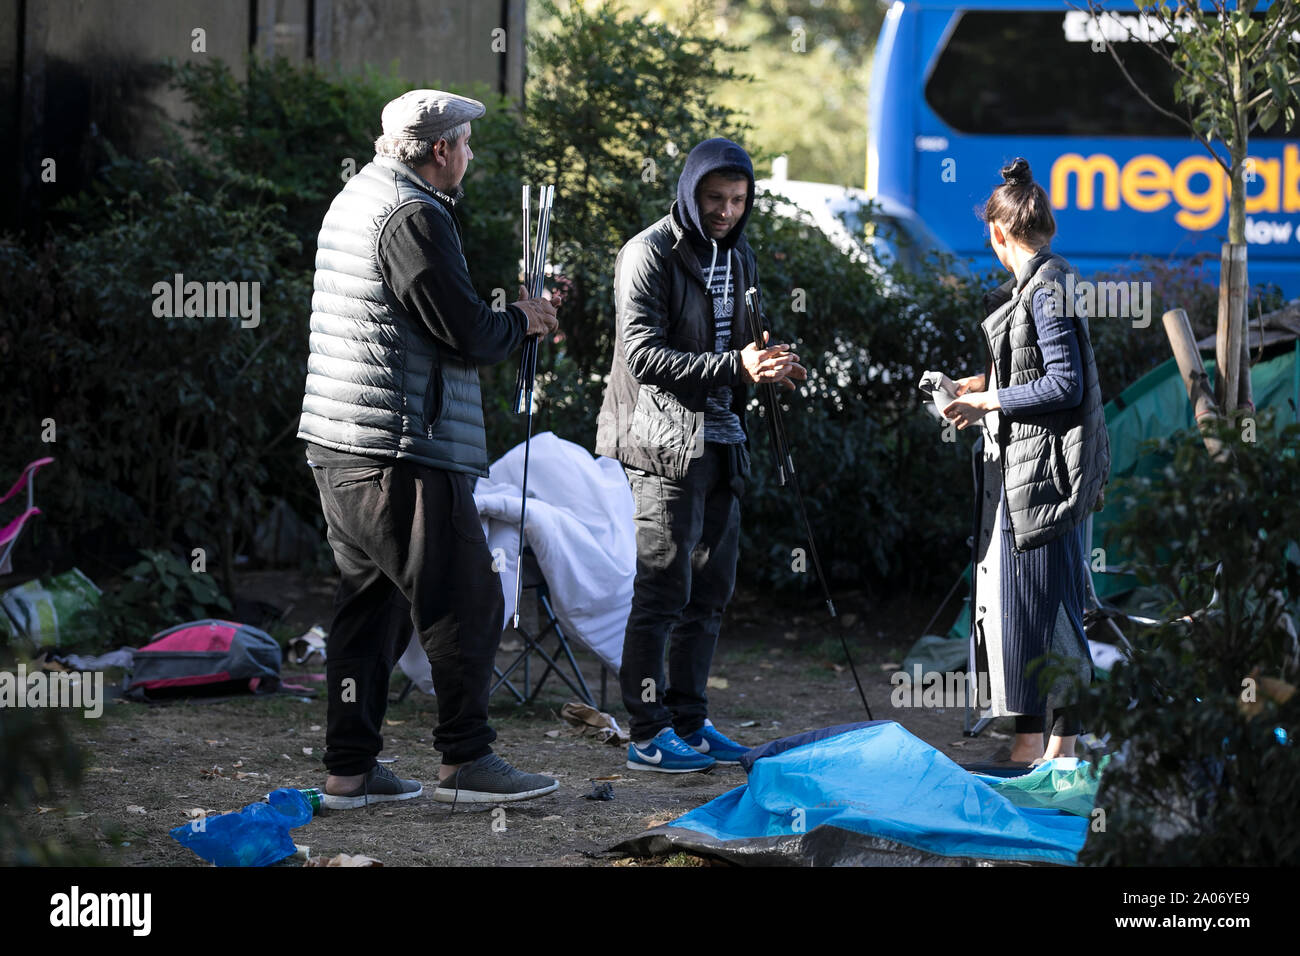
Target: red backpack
205	657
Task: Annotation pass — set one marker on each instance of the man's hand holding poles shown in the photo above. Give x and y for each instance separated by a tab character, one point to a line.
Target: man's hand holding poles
776	364
540	311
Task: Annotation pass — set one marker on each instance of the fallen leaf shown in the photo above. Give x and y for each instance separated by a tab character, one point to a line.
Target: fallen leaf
839	668
286	756
241	775
238	764
212	743
40	810
552	818
213	772
617	776
750	723
390	723
890	666
552	733
135	809
315	727
306	751
103	770
766	665
717	683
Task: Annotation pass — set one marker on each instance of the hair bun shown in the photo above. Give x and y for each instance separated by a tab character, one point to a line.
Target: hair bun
1016	173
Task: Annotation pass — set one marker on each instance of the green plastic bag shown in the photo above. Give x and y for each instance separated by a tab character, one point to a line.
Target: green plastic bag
1066	783
60	611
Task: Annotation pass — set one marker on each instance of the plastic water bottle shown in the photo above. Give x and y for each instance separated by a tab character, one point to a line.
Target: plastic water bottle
315	798
257	835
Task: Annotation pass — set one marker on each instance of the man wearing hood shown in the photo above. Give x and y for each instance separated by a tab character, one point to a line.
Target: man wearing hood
674	415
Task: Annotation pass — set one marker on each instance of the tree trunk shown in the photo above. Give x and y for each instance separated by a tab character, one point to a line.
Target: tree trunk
1232	313
1245	392
1188	357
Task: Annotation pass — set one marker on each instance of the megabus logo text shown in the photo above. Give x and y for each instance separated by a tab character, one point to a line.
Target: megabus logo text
1197	185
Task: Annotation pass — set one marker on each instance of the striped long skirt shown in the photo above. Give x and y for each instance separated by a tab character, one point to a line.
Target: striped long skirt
1027	606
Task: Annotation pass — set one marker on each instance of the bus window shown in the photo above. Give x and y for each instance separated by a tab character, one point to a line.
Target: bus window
1020	74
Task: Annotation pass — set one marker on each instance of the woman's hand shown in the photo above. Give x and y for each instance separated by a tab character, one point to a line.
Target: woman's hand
971	383
971	407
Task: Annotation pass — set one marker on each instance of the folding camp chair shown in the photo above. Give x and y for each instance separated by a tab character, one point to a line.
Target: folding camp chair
10	533
533	645
556	660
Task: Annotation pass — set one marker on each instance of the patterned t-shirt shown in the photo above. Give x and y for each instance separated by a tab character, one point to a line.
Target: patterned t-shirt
720	423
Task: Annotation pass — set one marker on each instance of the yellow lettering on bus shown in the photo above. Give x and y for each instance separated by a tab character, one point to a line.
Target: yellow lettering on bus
1200	210
1085	171
1291	179
1267	199
1145	183
1198	185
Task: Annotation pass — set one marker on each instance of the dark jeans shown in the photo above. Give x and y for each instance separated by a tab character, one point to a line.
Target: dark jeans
687	542
410	550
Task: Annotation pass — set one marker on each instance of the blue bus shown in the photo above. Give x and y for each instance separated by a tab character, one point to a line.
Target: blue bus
959	88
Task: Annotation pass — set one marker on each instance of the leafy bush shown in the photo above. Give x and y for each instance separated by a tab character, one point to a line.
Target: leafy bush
162	423
38	759
1206	710
159	592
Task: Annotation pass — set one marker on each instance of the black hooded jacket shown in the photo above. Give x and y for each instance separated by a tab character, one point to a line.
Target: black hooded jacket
664	365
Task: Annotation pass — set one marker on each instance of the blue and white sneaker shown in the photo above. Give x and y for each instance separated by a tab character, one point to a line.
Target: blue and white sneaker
708	741
667	753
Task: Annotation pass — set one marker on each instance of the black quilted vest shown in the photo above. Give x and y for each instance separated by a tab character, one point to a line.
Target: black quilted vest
1054	465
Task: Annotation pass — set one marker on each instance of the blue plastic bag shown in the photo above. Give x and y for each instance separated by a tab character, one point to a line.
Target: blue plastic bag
257	835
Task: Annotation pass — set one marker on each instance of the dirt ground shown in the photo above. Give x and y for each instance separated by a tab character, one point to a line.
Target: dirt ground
776	673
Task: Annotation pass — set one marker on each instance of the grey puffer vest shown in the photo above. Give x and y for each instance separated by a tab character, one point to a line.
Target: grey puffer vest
1054	465
377	382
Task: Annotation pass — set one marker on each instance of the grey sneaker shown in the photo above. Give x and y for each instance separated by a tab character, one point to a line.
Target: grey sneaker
491	780
379	786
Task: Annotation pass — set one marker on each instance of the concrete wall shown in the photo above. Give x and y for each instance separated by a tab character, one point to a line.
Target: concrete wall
75	71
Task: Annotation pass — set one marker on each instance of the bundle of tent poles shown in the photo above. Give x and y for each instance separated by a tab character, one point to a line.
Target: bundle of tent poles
534	263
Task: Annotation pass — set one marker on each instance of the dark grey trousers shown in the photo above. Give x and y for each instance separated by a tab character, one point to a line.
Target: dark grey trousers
410	550
687	543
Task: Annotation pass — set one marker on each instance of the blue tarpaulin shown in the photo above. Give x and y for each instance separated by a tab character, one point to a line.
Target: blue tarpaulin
867	793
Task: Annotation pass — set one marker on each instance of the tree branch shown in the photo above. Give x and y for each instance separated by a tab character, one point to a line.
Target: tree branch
1185	122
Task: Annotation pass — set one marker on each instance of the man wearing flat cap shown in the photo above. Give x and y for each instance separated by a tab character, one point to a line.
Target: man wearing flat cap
393	421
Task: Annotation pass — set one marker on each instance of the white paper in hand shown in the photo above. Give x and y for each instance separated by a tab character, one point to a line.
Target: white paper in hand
941	389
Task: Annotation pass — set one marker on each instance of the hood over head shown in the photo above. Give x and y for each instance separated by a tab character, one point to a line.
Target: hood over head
711	156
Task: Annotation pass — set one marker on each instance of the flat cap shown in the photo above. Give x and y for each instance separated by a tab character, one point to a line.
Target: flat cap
428	114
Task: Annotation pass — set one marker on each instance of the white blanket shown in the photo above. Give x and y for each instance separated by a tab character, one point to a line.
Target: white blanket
580	528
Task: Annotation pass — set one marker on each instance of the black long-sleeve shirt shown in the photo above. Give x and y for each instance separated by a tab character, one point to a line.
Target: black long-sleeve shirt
421	261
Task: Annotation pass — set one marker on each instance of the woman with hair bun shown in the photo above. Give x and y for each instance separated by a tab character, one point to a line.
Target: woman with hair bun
1046	459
